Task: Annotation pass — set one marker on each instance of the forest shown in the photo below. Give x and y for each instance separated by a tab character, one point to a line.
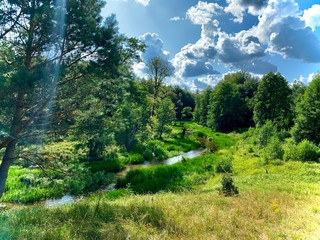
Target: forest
75	120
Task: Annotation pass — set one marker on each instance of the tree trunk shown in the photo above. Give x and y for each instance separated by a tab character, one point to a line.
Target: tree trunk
5	165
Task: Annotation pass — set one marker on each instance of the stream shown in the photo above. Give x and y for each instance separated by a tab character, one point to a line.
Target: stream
69	199
168	161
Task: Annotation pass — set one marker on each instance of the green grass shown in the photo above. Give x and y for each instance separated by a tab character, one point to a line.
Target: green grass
278	200
29	185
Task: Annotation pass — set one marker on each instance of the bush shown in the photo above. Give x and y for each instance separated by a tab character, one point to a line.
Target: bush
160	153
264	134
228	188
134	158
201	134
105	166
308	151
147	155
273	150
304	151
111	152
224	166
171	148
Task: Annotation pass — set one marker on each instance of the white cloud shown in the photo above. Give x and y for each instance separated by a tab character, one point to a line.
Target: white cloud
311	16
176	18
280	30
143	2
203	12
154	49
238	7
311	77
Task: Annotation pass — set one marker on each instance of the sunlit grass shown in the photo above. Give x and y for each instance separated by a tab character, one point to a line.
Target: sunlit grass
187	215
277	200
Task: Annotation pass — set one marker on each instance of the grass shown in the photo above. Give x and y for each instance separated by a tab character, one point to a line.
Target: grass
29	185
278	200
187	215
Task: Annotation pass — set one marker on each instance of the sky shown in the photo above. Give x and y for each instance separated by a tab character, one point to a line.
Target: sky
204	40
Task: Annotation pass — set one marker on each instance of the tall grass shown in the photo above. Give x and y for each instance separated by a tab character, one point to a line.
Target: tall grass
188	215
277	200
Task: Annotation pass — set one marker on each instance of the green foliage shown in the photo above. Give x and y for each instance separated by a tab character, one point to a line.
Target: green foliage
164	116
303	151
134	158
226	107
228	188
307	122
273	150
202	106
224	165
183	101
273	101
153	179
148	155
106	166
264	134
186	113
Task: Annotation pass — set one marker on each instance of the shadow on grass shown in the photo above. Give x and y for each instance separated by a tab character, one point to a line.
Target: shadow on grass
84	220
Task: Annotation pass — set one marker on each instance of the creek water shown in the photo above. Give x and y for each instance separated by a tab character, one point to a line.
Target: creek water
68	199
168	161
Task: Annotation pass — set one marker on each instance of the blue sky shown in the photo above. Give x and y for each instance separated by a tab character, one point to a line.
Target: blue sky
203	40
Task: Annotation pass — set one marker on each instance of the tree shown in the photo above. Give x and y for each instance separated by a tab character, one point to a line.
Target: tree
307	122
273	101
181	99
164	116
201	107
247	86
158	70
48	50
226	107
132	117
9	17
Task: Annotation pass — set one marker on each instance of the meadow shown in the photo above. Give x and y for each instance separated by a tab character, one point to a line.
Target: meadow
277	200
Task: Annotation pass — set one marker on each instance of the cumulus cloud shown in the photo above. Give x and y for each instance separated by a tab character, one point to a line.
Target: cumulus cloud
282	29
195	60
256	66
154	49
238	7
311	16
203	12
306	80
143	2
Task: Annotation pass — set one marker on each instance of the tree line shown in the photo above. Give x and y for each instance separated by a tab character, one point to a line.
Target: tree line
240	101
66	73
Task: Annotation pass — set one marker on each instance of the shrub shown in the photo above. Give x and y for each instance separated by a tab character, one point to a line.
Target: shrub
304	151
135	158
264	134
111	152
201	134
228	188
160	153
147	155
224	166
308	151
171	148
105	166
273	150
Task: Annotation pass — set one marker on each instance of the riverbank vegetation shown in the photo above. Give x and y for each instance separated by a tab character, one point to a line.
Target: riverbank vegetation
74	116
276	200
